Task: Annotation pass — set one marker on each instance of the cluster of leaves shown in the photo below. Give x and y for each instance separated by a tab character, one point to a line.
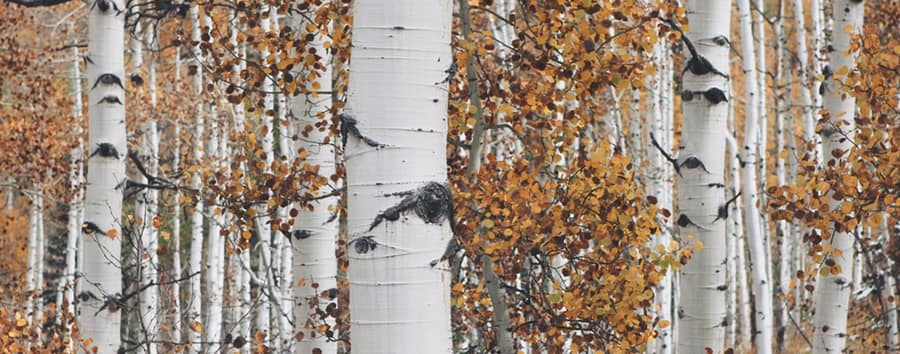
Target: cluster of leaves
561	215
865	186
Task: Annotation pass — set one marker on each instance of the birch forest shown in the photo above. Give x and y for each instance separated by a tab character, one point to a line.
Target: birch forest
449	176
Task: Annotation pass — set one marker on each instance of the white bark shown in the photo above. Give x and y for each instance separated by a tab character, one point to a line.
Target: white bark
196	251
314	256
832	294
215	248
702	299
148	260
758	246
175	243
281	249
76	180
263	227
782	228
99	318
31	274
395	95
809	122
659	185
743	312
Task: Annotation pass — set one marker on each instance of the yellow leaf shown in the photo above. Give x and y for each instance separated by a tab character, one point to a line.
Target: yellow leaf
664	324
698	245
487	223
196	327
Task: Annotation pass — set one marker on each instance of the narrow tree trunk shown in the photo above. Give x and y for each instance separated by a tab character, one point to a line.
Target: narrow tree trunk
659	185
147	233
758	246
75	183
31	273
396	155
263	227
832	294
701	161
196	251
809	122
99	317
215	249
175	243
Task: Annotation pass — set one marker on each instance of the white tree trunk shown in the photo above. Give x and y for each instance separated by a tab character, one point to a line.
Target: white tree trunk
76	180
175	243
809	122
99	316
195	310
148	262
659	185
399	106
702	302
782	228
314	258
832	293
215	247
263	227
31	274
758	246
743	309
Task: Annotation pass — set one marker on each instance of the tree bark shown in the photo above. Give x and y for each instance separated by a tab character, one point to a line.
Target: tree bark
755	235
832	291
396	158
701	165
99	317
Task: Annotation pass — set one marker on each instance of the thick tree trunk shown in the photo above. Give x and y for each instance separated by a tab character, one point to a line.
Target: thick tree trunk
99	317
832	293
701	161
399	202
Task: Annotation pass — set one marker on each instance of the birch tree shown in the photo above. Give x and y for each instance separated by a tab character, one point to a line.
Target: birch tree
750	161
196	250
99	317
701	166
832	292
314	258
399	216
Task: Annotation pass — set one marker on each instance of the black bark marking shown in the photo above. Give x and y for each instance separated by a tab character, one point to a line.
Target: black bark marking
364	244
723	209
713	95
106	150
300	234
451	73
90	228
665	154
693	162
433	203
87	59
111	100
105	5
685	221
698	65
348	127
108	79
